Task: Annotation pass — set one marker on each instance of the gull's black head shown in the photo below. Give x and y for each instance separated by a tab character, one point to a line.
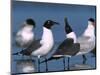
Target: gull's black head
30	21
91	21
49	23
68	28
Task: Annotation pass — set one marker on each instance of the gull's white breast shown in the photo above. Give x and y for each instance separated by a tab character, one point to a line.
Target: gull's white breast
47	43
24	36
72	35
87	40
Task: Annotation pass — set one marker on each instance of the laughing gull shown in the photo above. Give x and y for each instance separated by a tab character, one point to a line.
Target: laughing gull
87	37
41	47
68	47
25	35
87	40
73	46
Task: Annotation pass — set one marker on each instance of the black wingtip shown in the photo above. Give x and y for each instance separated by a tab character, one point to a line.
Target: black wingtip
94	52
15	53
52	58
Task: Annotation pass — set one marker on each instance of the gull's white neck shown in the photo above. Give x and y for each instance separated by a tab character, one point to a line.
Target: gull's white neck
89	31
26	33
47	43
27	28
47	36
71	35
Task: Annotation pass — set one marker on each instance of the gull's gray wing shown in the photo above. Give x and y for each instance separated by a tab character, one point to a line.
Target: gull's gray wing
70	51
34	45
67	47
85	44
83	39
66	43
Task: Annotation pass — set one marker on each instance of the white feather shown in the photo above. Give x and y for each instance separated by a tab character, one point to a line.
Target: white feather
72	35
87	40
25	35
47	43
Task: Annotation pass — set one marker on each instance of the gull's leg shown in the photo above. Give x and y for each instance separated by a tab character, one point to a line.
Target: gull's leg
68	63
46	65
39	63
84	59
22	54
64	63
